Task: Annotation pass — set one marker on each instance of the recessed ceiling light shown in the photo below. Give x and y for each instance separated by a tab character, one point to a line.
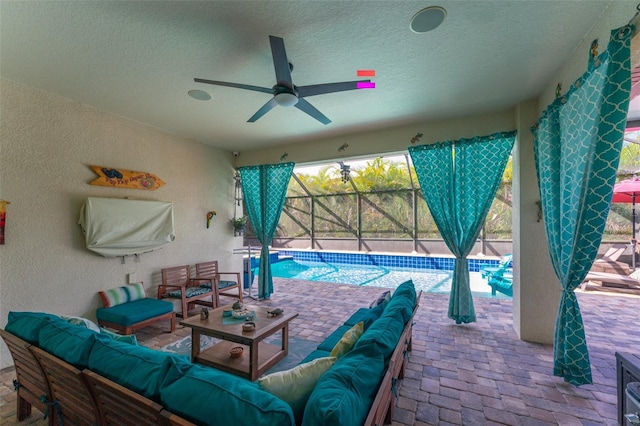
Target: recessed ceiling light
428	19
200	95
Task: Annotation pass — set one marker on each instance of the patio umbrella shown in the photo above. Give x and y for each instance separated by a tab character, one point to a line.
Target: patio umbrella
628	191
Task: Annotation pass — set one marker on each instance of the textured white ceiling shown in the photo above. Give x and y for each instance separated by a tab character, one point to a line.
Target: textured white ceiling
138	59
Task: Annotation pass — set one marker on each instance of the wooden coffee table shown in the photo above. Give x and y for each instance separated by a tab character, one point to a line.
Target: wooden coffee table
258	356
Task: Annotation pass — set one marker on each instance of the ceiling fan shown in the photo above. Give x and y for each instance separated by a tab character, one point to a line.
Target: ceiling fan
285	93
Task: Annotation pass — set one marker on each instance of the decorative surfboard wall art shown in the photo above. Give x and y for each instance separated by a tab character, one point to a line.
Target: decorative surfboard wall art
120	178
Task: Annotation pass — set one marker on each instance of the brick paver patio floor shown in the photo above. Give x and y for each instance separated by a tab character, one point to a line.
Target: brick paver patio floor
474	374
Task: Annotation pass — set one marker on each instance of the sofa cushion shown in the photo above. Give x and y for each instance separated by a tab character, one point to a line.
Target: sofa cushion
69	342
188	292
382	336
82	322
295	385
382	299
318	353
406	289
222	284
344	394
27	325
366	315
134	312
141	369
330	342
124	294
208	396
129	338
400	305
403	299
348	340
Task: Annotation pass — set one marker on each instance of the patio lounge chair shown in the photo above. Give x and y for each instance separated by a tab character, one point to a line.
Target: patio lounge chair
611	280
500	277
609	261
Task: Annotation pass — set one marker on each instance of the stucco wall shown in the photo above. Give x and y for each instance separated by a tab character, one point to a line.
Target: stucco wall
46	146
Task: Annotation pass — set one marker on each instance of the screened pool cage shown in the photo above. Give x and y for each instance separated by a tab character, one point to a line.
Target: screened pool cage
376	206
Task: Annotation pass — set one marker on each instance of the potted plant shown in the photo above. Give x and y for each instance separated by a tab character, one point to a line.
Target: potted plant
238	224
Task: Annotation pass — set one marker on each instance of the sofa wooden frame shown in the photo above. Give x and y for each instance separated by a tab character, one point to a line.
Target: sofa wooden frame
381	411
80	397
31	383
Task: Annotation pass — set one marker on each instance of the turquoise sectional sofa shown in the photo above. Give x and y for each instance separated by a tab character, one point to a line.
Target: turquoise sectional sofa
355	390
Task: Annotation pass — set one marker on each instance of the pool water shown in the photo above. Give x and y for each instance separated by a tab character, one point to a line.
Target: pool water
428	280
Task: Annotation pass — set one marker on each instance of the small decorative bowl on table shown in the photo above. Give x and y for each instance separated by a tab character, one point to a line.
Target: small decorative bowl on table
236	352
242	314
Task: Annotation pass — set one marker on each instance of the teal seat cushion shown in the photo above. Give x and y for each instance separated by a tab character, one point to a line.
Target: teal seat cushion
331	341
189	292
134	312
207	396
315	355
69	342
357	316
130	338
344	394
222	284
27	325
406	289
382	337
401	305
138	368
366	315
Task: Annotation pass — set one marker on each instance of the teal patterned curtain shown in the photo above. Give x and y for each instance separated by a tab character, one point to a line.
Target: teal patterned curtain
459	180
265	189
577	144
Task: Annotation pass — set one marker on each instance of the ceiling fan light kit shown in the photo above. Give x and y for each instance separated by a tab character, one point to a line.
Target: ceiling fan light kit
285	93
286	99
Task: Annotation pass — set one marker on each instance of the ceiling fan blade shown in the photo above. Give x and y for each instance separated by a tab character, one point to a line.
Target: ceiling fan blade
262	111
280	62
319	89
236	85
305	106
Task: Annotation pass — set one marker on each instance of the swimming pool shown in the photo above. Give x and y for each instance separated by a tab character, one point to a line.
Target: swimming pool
372	271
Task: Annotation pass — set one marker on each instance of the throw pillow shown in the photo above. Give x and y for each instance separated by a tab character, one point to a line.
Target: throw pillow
82	322
130	338
295	385
348	340
124	294
383	299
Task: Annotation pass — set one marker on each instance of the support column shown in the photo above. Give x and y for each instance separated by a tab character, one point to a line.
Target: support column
536	290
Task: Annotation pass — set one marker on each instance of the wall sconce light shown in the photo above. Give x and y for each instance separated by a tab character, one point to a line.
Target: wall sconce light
238	187
210	216
345	171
